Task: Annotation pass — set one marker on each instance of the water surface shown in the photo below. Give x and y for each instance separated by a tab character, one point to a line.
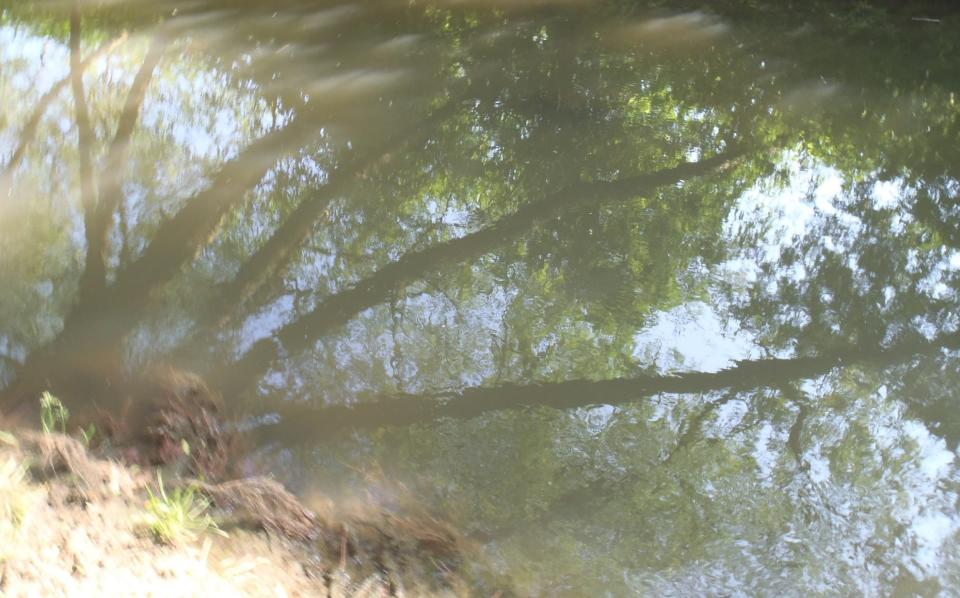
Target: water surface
647	299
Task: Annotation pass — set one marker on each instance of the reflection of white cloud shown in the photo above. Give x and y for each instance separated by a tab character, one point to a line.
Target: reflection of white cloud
729	415
692	337
887	194
768	220
776	219
931	530
818	467
934	458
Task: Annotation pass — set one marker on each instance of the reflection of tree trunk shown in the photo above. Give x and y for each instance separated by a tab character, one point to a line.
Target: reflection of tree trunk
99	324
304	422
94	278
337	309
30	128
92	270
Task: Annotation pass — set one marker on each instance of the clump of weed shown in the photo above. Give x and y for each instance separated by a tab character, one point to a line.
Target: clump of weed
179	515
87	435
54	417
53	414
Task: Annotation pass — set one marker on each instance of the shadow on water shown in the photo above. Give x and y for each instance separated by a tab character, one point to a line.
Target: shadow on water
644	298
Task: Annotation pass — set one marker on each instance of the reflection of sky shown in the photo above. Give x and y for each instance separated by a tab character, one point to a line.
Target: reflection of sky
49	62
874	498
697	335
905	479
775	219
691	337
201	109
18	44
765	221
914	460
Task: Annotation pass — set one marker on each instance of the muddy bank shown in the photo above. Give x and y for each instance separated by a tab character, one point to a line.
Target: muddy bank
76	521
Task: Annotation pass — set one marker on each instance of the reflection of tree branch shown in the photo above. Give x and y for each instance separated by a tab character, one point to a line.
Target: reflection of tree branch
695	423
795	437
592	495
94	278
405	409
269	262
339	308
178	239
30	128
598	493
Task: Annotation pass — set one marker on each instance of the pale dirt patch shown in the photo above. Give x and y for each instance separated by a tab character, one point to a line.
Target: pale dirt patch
79	532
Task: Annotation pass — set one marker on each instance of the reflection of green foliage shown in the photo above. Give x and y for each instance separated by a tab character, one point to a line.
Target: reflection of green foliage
637	503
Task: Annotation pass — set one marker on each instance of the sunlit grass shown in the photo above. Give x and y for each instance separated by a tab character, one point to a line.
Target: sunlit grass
178	516
14	504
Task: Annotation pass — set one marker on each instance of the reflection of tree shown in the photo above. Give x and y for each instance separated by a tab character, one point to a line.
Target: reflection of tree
476	145
515	123
424	277
273	256
377	288
113	311
634	494
118	308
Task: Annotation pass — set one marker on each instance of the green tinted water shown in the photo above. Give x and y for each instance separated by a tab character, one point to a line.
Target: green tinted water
646	299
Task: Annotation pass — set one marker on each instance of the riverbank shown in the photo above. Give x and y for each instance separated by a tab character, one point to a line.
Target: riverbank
76	523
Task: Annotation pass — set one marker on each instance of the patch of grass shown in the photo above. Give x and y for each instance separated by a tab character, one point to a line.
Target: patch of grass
179	515
53	414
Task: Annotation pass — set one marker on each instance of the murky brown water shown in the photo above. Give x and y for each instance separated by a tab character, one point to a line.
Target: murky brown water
646	299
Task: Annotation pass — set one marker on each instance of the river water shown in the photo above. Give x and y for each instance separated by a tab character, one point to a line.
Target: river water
645	298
